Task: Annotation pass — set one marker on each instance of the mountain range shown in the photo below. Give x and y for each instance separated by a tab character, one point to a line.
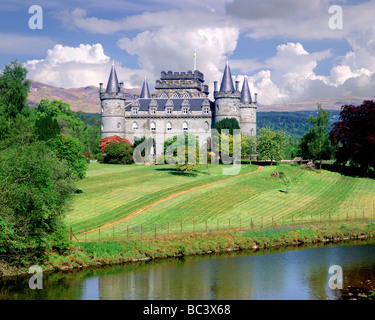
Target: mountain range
86	99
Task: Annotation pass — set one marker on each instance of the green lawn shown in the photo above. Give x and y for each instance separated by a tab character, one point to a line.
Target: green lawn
111	193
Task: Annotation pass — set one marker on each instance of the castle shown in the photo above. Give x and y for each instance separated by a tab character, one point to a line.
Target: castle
180	105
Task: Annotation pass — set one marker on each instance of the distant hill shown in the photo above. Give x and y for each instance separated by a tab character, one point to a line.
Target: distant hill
86	99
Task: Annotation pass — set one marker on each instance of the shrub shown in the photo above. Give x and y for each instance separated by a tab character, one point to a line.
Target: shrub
119	153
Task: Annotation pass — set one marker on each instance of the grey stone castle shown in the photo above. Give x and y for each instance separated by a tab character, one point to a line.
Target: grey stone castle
180	105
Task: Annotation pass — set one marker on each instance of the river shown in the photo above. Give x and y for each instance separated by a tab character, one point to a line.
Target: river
300	273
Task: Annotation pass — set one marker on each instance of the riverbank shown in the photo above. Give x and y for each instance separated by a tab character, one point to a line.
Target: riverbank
111	252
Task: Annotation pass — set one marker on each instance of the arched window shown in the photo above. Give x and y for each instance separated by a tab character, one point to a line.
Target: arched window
152	126
185	126
169	126
206	125
102	127
118	125
135	126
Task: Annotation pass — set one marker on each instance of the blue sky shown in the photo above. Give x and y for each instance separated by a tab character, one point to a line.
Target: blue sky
285	47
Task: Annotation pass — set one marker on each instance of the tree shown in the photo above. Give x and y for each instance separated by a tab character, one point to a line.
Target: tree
13	89
35	188
69	149
272	144
248	146
354	136
227	123
112	139
315	144
118	153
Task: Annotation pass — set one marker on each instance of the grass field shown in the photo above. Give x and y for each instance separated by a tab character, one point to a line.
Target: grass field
136	195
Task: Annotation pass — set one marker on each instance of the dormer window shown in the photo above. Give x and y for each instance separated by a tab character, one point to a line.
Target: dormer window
205	110
152	110
135	111
185	110
169	110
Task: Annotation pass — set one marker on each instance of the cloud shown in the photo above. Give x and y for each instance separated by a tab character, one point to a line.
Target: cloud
72	67
172	48
78	18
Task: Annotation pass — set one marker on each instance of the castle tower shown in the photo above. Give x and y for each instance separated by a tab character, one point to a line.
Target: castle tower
228	98
247	111
112	113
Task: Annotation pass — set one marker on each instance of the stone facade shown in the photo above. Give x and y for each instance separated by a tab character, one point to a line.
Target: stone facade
180	105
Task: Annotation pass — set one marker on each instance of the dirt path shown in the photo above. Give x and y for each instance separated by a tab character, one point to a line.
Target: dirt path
110	224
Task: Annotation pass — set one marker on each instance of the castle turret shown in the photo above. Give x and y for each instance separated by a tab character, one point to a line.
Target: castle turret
227	99
145	93
247	111
112	113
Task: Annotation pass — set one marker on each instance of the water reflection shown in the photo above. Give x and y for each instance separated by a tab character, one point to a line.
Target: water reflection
284	274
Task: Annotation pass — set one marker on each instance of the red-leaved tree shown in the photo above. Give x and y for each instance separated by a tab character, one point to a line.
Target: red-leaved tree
112	139
354	136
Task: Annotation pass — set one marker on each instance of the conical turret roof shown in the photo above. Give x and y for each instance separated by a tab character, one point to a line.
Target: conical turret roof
113	86
227	82
245	92
145	90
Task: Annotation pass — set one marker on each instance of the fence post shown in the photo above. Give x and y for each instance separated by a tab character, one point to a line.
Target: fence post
127	232
85	234
155	231
240	225
193	227
99	233
217	224
168	229
141	233
181	227
262	221
113	233
71	233
229	224
206	225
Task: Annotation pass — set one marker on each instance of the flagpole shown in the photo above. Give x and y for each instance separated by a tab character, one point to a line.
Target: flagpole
195	60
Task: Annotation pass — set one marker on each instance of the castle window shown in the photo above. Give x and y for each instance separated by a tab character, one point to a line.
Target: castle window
169	110
185	126
152	126
185	110
118	125
169	126
102	127
175	95
135	111
187	95
135	126
152	111
205	110
234	108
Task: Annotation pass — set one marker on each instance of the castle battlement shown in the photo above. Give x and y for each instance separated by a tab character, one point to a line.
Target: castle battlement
190	75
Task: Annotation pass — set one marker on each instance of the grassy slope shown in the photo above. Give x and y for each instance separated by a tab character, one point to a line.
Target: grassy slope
113	192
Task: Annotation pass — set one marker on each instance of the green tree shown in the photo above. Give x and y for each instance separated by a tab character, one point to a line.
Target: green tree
315	144
69	149
272	144
119	153
227	123
13	89
248	146
35	188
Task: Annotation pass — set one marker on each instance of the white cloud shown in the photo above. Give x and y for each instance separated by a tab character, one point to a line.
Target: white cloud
171	48
71	67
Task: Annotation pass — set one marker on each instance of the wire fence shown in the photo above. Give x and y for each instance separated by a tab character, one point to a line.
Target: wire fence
122	231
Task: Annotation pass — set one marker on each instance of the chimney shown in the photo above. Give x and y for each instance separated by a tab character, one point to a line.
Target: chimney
100	87
237	85
255	98
215	86
121	86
